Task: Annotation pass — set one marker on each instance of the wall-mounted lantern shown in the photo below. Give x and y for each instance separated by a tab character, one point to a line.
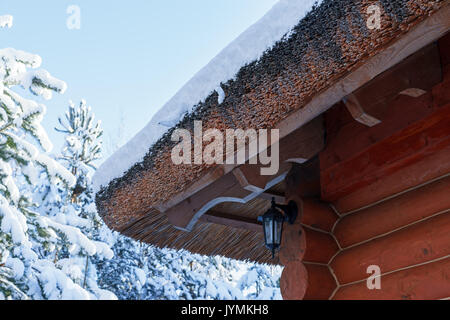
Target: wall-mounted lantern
273	220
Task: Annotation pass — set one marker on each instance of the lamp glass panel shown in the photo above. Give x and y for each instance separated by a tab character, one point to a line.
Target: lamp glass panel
268	231
278	230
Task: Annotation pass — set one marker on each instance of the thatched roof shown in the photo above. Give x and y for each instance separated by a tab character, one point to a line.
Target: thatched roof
330	42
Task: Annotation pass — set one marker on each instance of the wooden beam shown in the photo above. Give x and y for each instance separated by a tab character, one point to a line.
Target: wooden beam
413	76
302	247
269	196
304	180
299	146
358	113
413	92
378	100
249	178
408	146
185	215
232	221
228	188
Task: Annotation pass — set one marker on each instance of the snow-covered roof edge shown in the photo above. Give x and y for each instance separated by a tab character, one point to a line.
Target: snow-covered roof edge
246	48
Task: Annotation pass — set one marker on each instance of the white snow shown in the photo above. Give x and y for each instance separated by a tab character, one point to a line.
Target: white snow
249	46
221	94
55	169
57	286
17	266
13	222
75	237
140	274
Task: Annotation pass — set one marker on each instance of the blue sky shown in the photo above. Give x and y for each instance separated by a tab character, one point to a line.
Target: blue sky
129	57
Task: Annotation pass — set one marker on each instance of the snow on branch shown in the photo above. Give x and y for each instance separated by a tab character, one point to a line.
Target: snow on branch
13	71
56	170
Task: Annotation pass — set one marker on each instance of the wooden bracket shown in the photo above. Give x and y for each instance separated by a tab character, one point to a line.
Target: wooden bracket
358	113
413	92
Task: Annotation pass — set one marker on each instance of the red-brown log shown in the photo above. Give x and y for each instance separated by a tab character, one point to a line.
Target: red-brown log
426	282
394	213
320	247
417	142
419	243
294	281
318	214
321	283
431	167
293	244
346	137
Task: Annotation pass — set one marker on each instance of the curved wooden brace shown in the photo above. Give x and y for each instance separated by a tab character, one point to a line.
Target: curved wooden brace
236	194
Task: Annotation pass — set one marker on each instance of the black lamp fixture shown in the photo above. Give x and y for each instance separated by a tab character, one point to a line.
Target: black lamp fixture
273	221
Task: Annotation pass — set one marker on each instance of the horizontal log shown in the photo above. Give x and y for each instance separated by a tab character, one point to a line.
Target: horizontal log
320	247
379	99
294	281
318	215
293	243
431	167
425	282
412	144
394	213
321	283
419	243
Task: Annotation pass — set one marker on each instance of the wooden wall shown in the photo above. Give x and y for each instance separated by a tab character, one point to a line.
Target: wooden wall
385	201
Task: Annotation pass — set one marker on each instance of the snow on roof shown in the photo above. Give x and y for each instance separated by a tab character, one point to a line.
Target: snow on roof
248	47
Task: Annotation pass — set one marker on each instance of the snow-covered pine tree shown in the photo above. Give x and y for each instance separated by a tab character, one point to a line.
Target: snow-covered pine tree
82	147
126	274
25	236
261	282
74	207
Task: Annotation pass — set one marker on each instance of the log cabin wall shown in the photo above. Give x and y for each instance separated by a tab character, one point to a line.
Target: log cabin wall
384	201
